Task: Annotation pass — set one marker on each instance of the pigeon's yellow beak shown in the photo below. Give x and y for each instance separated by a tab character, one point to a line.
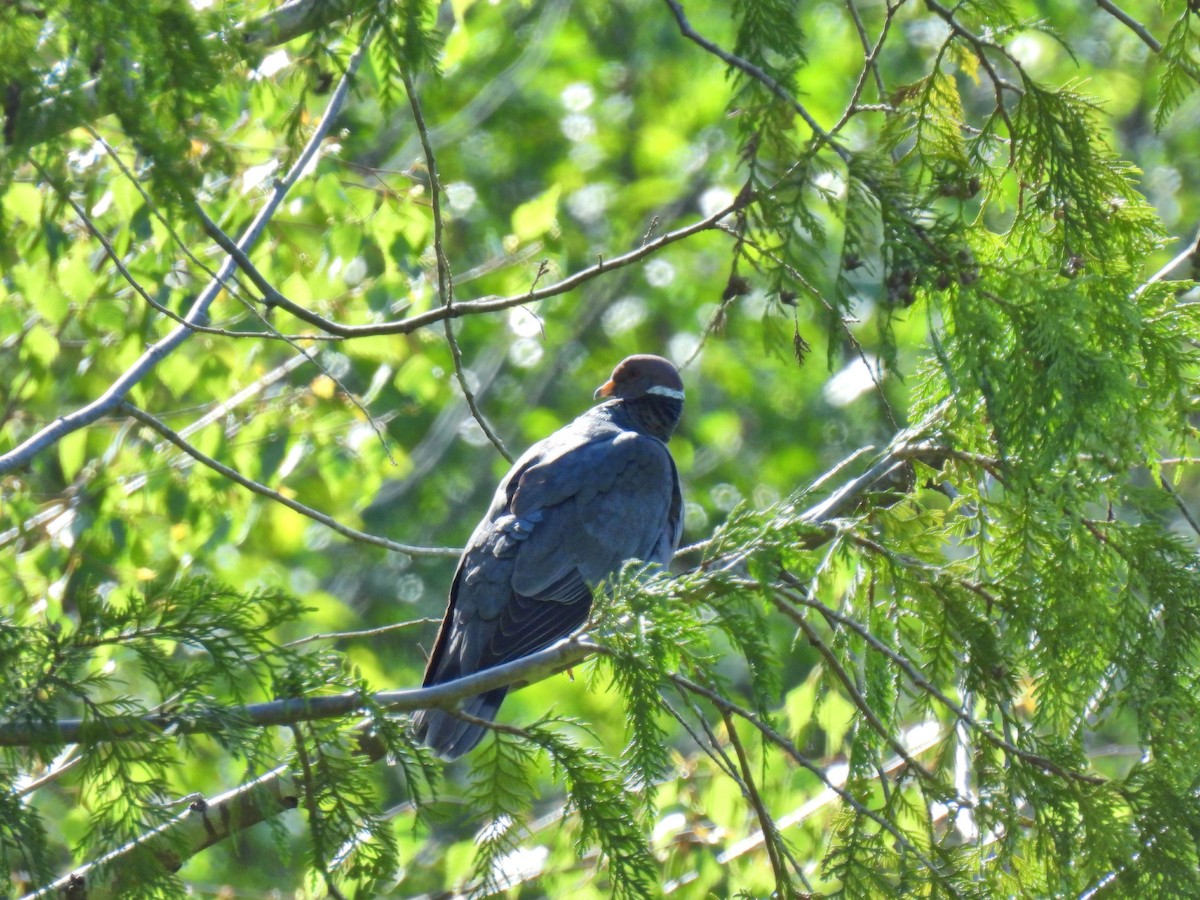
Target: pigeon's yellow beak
605	390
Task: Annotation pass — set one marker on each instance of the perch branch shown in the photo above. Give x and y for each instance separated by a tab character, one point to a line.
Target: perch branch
565	653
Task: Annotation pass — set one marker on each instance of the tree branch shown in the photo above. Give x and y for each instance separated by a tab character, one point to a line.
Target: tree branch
786	602
771	839
445	280
231	285
793	753
750	69
261	489
46	517
565	653
470	307
172	843
870	63
278	790
860	702
1131	23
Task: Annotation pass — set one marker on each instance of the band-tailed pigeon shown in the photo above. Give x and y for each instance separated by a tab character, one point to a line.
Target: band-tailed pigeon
570	512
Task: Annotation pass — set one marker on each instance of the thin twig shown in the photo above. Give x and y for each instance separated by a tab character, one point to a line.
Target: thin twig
755	72
790	749
361	633
1184	511
872	370
471	307
786	600
64	192
771	840
212	228
870	64
934	572
316	826
63	763
249	484
231	284
47	516
710	746
1131	23
1188	252
980	45
859	701
445	280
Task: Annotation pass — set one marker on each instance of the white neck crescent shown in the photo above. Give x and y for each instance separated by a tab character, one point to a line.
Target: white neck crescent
662	391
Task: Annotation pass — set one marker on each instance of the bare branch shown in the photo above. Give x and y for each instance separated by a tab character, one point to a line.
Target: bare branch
212	227
469	307
1191	251
870	63
231	284
261	489
1131	23
361	633
771	839
46	517
205	823
445	281
749	68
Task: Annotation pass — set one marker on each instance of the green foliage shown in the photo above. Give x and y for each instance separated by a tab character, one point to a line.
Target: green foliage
407	43
23	841
650	636
501	791
962	665
607	814
604	802
1181	65
201	645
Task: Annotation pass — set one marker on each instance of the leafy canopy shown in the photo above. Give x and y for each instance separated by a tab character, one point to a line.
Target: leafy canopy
280	287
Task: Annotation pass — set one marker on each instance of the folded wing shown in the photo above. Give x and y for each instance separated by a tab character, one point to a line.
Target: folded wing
572	511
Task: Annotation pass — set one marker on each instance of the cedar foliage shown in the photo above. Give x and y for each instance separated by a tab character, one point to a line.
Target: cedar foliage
901	677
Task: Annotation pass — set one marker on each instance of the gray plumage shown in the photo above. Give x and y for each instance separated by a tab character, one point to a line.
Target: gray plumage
572	510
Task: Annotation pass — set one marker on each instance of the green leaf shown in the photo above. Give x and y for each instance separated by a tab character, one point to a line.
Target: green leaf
40	345
537	217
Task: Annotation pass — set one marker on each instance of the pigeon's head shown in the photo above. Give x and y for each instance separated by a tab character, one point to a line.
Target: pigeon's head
651	392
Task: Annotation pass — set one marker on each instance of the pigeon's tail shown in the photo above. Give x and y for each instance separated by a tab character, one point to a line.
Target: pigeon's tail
449	736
